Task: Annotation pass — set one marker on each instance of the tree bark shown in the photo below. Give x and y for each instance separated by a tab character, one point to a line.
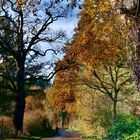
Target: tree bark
136	58
114	113
20	97
114	117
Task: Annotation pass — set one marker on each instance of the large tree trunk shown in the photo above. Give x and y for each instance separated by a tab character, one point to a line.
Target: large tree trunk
136	58
20	97
131	9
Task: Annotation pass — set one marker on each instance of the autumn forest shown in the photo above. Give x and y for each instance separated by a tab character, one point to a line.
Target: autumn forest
81	85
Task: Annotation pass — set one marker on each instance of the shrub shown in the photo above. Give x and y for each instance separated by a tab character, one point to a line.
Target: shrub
134	136
36	128
8	128
37	124
125	126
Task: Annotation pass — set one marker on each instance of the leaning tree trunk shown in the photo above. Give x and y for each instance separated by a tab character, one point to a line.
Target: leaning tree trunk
20	97
131	9
136	58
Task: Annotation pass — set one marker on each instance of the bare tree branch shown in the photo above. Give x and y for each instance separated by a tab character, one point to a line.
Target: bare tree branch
43	28
44	53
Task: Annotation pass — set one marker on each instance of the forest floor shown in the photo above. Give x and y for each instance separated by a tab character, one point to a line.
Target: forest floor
64	135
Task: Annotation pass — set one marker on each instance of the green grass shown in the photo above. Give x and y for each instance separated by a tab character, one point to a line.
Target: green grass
30	138
22	138
36	136
89	137
92	138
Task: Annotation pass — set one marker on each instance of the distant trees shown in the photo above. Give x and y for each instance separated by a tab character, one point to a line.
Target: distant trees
7	69
61	96
24	30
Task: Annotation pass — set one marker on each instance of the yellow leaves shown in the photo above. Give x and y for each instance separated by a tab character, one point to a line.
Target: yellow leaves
99	35
71	107
104	5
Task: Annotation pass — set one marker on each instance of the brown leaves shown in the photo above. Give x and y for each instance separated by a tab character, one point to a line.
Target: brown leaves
21	2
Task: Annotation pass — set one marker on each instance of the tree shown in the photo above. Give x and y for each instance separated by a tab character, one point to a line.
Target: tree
29	25
90	44
113	81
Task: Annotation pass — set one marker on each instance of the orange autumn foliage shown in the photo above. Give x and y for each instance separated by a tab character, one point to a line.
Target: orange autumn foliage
100	35
99	38
62	95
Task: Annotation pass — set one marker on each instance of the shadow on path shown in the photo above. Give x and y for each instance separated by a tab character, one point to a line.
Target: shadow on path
64	135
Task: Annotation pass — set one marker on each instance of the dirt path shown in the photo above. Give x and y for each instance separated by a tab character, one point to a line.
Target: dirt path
64	135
